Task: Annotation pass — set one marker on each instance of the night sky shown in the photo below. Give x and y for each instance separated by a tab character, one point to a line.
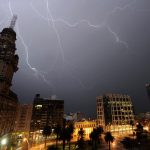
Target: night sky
80	49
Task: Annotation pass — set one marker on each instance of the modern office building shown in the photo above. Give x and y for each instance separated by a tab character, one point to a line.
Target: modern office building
115	112
46	112
23	118
8	65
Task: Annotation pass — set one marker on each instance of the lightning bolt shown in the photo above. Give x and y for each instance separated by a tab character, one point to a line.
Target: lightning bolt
37	12
52	21
117	39
128	5
37	73
50	18
94	26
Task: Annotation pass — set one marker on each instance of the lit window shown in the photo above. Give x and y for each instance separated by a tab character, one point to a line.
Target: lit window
38	106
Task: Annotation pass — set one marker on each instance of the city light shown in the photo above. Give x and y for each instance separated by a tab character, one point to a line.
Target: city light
146	128
4	141
114	144
25	139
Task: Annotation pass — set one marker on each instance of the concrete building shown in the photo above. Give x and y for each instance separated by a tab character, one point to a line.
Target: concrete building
115	112
23	118
46	111
86	125
8	65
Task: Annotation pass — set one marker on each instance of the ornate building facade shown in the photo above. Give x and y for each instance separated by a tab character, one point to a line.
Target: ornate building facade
86	125
8	65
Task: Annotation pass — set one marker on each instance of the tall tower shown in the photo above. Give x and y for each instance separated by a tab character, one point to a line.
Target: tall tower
8	59
8	65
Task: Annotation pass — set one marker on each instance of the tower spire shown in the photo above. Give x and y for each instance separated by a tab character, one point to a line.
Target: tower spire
13	21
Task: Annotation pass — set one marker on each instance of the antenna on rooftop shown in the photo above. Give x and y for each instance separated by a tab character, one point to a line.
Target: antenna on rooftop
13	21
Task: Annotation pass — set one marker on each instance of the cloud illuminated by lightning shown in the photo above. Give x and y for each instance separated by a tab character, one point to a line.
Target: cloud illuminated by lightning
2	21
50	18
94	26
37	73
52	21
97	26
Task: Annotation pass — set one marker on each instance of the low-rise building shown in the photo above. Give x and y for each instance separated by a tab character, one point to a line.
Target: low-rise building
86	125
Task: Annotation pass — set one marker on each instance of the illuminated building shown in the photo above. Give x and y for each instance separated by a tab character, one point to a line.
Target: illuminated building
46	111
115	112
23	118
8	65
86	125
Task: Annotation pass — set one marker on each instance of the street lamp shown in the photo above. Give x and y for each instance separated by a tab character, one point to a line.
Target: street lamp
25	140
114	144
3	142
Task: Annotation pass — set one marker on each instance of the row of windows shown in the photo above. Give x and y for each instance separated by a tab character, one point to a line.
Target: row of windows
117	105
123	99
122	108
86	126
100	117
122	118
100	113
121	113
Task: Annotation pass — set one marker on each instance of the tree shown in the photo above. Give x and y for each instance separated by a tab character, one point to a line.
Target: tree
81	142
69	132
139	131
95	136
109	138
66	132
128	143
132	124
46	132
57	131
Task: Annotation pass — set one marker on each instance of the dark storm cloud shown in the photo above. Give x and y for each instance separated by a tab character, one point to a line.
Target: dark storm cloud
111	58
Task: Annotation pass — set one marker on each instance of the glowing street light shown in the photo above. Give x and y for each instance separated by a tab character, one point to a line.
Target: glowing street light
114	144
25	139
4	141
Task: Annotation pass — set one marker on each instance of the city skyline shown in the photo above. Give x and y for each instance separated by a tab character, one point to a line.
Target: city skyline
82	49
